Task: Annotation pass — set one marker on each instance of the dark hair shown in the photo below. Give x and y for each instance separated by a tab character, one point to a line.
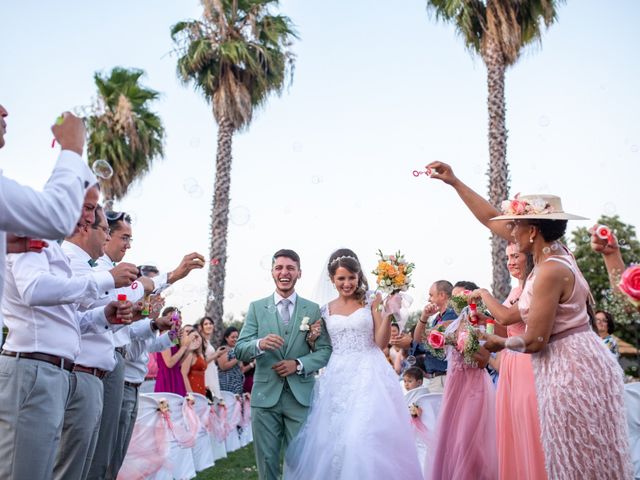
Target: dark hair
146	269
346	258
550	230
200	325
169	310
467	285
444	286
611	325
114	219
203	344
284	252
227	333
413	372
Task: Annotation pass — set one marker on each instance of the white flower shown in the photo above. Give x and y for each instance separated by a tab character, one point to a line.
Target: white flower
304	324
388	282
538	205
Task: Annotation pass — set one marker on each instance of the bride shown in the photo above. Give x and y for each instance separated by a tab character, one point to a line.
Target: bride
358	425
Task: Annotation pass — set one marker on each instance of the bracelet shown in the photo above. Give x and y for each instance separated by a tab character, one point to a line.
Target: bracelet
420	320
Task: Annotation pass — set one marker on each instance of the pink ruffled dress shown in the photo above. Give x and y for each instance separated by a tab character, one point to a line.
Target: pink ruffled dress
580	388
520	454
466	432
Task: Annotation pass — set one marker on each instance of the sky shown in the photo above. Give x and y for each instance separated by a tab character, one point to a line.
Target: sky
380	89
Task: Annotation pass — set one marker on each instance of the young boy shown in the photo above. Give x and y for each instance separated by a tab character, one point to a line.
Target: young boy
412	377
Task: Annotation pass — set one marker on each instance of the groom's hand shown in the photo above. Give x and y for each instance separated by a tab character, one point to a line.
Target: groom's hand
271	342
285	368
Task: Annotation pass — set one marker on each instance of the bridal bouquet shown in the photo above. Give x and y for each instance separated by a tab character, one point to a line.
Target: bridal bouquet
393	273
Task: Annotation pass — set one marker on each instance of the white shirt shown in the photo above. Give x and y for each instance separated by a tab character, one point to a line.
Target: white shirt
135	364
52	213
41	304
96	349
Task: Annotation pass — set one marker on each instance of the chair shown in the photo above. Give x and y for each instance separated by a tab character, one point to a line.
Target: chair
234	415
632	406
411	395
425	441
202	451
148	451
218	446
180	457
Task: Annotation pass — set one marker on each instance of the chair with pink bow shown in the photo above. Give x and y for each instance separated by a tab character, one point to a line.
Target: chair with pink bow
233	403
202	451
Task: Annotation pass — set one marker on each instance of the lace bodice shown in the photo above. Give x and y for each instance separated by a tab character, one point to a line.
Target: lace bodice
350	333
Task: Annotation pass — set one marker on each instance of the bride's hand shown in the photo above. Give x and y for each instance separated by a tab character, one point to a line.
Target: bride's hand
377	301
315	329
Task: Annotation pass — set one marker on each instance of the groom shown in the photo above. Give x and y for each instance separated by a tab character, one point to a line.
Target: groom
274	333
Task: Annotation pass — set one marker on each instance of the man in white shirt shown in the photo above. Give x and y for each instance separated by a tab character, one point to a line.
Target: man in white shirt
41	310
52	213
115	249
96	357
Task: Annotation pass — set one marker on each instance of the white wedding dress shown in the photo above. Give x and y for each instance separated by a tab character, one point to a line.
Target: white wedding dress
358	426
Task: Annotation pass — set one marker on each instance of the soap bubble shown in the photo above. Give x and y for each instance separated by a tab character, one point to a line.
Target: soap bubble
102	169
316	179
544	121
240	215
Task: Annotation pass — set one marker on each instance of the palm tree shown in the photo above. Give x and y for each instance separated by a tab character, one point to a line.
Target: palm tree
497	30
122	130
236	55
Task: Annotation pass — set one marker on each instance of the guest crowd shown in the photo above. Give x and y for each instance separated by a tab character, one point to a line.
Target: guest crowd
87	331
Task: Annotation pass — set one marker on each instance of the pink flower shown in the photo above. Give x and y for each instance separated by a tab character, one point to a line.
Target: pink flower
518	207
436	339
630	284
462	340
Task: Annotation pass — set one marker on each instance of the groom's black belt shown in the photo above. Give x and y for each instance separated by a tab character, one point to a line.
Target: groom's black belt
434	374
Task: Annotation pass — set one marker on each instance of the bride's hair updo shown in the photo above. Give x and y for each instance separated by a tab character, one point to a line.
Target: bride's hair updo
346	258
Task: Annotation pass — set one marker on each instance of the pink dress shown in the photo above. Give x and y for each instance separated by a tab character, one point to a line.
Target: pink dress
520	454
466	432
580	392
169	379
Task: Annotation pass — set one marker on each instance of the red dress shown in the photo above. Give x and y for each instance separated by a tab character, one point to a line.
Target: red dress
196	375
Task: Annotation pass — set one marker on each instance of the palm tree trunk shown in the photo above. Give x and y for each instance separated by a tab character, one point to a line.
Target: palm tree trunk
498	167
219	228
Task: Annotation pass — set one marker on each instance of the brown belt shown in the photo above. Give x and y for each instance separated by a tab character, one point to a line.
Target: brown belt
131	384
92	371
61	362
579	329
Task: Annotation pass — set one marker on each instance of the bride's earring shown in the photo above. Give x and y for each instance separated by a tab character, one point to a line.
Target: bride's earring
530	239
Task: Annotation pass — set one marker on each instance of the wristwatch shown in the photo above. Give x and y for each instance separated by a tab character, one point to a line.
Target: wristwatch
154	326
299	367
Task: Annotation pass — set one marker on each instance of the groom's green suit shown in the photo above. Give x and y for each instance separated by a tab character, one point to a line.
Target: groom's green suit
279	405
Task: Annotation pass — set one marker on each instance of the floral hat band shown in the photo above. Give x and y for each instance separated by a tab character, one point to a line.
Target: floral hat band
544	207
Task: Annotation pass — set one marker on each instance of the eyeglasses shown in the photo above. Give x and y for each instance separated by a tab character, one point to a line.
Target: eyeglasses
104	229
126	238
113	217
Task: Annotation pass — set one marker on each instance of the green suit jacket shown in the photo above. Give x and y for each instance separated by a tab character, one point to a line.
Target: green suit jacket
262	319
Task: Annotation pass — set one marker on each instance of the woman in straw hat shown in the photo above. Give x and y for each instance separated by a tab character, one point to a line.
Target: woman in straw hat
574	373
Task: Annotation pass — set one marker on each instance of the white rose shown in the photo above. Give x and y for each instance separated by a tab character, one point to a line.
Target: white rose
538	205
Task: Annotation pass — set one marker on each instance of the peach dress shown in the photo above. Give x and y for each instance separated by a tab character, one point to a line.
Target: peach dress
520	454
580	392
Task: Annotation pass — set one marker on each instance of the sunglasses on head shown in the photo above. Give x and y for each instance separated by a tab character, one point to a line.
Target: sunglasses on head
117	216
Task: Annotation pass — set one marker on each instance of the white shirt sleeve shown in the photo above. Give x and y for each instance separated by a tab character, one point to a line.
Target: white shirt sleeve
93	321
141	330
52	213
37	286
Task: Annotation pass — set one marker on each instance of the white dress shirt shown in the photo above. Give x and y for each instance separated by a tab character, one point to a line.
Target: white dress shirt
52	213
135	364
96	349
41	304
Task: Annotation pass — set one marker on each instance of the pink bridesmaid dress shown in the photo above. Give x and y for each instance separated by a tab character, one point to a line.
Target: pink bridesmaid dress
466	432
580	392
520	454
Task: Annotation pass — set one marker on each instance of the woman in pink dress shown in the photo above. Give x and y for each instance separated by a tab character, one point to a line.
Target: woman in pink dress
169	377
520	454
575	374
466	432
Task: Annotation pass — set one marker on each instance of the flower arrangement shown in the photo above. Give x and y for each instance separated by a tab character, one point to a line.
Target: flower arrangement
190	399
304	324
393	273
516	206
436	341
459	302
163	405
415	410
630	284
467	342
176	323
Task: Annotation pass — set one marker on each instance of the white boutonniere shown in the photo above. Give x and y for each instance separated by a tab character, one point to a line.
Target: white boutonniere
304	324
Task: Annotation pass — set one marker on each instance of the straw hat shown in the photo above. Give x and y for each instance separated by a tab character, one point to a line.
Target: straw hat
543	207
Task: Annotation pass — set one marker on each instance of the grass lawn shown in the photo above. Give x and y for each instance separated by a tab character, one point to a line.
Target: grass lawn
239	465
